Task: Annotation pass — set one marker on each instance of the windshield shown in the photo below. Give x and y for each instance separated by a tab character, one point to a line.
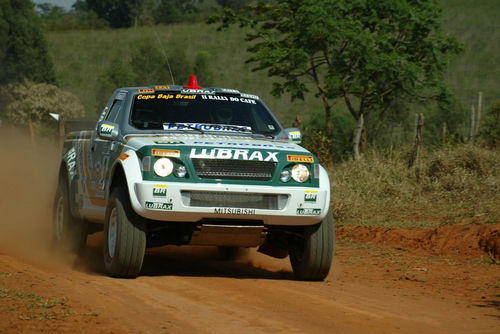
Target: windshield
154	111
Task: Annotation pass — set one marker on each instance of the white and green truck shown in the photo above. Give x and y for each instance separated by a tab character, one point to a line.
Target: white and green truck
186	165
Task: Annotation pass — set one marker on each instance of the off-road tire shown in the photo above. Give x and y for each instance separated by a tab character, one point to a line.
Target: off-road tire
125	230
68	232
311	258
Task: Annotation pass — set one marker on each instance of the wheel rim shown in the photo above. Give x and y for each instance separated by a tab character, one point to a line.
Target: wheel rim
112	231
59	224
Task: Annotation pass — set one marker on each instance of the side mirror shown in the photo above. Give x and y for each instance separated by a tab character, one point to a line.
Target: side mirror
294	135
107	130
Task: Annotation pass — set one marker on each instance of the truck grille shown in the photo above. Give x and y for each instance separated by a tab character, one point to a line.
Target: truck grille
234	200
234	169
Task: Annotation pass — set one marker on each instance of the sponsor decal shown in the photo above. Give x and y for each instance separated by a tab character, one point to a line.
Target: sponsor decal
162	87
123	156
206	127
299	158
159	206
159	152
159	190
294	135
149	90
234	154
228	98
249	96
310	196
308	212
245	144
228	91
234	211
196	91
107	129
169	142
71	162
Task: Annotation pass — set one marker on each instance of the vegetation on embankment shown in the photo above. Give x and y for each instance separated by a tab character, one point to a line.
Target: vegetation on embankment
454	184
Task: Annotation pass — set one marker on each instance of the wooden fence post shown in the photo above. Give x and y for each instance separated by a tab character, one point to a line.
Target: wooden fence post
418	141
472	127
479	107
60	125
443	133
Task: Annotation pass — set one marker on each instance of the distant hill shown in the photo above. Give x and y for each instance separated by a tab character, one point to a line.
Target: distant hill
82	57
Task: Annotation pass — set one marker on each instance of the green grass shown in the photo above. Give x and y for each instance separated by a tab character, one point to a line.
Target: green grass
82	57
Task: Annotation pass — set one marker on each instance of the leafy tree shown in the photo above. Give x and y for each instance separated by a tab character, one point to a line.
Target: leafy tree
490	129
30	104
366	53
235	5
23	48
119	13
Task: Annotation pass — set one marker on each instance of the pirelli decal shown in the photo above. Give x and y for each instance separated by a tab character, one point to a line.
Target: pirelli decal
299	158
158	152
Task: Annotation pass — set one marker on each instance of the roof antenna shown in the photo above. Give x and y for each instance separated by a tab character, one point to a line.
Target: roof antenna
164	54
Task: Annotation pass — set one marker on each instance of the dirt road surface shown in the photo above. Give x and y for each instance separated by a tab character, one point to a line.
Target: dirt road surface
373	288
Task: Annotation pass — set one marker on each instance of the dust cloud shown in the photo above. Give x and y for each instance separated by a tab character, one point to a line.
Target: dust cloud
28	180
28	176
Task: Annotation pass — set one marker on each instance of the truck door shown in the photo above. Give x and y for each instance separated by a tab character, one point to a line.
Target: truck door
100	156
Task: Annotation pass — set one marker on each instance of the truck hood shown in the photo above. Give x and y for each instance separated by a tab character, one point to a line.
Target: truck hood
186	142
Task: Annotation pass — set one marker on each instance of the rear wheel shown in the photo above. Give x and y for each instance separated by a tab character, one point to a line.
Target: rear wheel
68	232
124	237
311	256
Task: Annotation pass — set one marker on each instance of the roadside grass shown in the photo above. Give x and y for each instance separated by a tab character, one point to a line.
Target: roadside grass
31	306
458	184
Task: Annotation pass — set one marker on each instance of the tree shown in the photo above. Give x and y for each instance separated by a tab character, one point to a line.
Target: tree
119	13
365	53
23	48
30	103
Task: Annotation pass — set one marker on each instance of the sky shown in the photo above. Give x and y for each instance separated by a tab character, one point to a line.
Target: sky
63	3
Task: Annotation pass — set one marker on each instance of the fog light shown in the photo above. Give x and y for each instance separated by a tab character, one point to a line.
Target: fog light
285	176
180	171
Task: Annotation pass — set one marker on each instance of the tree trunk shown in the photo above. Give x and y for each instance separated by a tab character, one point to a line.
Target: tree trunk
328	120
357	137
362	147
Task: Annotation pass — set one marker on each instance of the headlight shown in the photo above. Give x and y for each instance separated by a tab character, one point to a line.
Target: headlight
300	173
285	176
163	167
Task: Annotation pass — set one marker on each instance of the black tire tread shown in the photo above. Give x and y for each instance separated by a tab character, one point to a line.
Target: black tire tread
131	238
318	251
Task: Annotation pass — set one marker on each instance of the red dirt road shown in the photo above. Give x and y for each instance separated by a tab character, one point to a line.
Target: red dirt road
191	291
371	289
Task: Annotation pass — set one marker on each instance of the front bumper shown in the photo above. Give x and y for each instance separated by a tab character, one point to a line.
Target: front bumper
175	202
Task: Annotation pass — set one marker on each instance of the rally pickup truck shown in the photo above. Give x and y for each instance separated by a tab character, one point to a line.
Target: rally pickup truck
186	165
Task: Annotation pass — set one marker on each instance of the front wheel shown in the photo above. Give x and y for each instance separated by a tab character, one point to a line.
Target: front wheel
311	256
124	237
